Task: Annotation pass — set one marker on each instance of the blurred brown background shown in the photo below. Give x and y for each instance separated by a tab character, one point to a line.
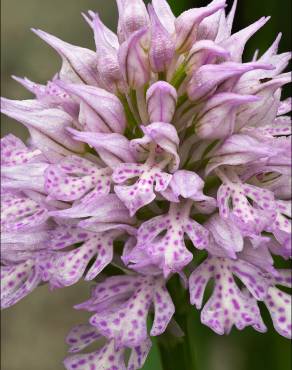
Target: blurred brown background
33	331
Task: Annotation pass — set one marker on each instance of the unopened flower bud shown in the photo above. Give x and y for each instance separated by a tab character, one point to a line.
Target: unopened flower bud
132	17
216	120
107	45
134	60
162	46
206	79
187	23
161	100
79	64
101	111
204	52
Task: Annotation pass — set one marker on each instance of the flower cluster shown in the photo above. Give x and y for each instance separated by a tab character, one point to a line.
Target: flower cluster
161	145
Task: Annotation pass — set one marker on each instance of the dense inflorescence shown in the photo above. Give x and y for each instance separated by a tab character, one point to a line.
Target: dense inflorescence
160	146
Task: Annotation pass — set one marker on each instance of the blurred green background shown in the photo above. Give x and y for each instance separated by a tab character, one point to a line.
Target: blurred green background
33	331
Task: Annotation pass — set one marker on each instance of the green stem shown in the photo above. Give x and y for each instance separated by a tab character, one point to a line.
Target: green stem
182	99
179	76
133	99
131	120
179	353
